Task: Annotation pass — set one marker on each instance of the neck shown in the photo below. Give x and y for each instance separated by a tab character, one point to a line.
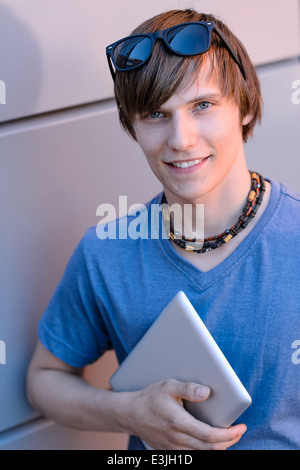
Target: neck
223	204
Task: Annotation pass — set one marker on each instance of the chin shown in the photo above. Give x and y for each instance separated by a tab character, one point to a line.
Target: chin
188	197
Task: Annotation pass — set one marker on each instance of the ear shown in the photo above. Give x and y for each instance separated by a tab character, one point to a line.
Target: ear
248	118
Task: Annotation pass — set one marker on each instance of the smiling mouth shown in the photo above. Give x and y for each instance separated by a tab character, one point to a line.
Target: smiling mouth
188	164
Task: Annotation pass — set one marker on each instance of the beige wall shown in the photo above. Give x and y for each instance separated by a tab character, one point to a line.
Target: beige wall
63	153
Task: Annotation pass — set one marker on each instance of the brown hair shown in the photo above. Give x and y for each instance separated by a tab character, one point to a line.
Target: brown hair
143	91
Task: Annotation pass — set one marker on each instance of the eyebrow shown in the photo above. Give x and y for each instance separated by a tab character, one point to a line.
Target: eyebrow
205	96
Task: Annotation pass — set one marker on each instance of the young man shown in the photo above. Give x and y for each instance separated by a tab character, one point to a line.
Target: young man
190	97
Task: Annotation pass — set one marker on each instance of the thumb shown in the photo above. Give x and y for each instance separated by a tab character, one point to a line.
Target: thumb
201	392
191	391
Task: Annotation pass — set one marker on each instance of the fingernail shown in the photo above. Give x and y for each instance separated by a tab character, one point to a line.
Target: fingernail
202	391
242	431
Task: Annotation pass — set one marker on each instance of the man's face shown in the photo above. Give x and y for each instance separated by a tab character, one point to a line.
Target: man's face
193	143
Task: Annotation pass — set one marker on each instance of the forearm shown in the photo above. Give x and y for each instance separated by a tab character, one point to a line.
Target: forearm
71	401
155	414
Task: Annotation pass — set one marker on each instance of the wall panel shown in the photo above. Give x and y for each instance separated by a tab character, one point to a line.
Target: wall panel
46	435
55	173
274	150
53	51
269	29
58	167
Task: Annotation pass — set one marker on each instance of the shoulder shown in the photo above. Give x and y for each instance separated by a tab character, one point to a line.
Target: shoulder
285	219
291	196
289	202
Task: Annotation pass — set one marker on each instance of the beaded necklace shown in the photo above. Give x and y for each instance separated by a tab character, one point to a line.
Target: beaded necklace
254	200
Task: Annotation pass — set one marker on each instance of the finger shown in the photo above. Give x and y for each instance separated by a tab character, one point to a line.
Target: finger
185	423
215	443
186	442
186	390
211	435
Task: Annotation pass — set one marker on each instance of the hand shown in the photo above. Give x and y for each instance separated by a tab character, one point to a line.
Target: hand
157	416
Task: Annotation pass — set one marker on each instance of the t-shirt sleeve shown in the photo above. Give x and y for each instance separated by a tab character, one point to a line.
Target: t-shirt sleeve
72	327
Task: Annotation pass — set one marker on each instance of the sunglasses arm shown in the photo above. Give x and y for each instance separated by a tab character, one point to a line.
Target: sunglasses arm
113	73
231	50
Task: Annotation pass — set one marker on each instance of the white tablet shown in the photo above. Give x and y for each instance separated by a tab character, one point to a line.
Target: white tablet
178	345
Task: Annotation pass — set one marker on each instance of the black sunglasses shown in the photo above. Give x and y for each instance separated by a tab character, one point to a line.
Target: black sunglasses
185	39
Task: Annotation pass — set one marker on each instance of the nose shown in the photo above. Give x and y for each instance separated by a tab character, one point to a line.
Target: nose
182	133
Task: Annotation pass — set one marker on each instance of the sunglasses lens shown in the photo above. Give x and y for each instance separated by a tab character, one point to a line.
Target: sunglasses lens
189	39
132	52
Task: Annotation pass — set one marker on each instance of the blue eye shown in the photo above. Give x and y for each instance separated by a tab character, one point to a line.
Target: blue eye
203	105
155	115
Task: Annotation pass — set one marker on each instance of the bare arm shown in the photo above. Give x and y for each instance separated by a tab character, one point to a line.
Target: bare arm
155	414
60	393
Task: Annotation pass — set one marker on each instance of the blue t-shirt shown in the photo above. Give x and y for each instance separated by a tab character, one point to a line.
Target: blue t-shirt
114	289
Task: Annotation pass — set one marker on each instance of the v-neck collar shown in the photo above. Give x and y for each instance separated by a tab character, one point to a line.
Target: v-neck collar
204	279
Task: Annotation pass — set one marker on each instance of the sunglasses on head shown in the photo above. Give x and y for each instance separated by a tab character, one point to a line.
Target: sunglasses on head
185	39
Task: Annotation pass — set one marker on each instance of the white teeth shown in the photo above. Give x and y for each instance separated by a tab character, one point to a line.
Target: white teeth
187	164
